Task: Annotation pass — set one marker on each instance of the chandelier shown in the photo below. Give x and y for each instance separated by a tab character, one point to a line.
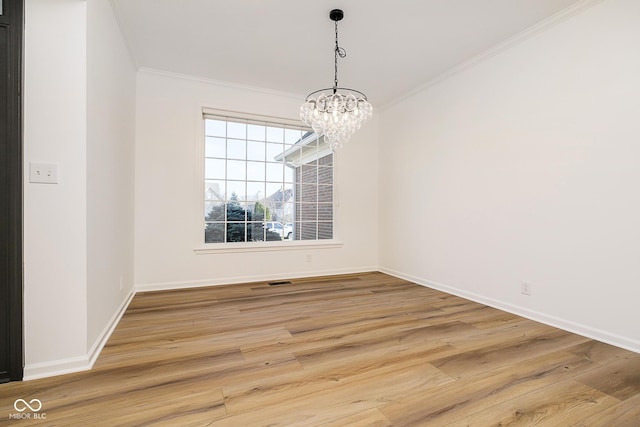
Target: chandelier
336	112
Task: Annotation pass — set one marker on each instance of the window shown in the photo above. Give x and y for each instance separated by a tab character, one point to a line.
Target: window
265	180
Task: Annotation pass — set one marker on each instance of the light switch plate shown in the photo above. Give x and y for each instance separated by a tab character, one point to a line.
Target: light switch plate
43	173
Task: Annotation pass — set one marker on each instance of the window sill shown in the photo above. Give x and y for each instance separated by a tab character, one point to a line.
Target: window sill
217	248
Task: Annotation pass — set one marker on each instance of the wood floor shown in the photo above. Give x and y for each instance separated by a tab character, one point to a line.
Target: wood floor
356	350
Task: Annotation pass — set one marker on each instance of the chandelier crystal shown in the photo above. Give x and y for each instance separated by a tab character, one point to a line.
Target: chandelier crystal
336	112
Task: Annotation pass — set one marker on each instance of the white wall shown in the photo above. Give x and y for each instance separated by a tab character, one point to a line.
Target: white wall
55	238
168	207
525	167
111	80
79	112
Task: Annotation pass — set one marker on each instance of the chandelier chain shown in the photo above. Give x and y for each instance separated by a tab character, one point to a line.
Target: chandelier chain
339	52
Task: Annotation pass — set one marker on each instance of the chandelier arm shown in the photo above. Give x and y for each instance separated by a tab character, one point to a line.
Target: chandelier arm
335	89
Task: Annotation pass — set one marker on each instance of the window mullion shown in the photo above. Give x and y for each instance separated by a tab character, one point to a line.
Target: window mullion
226	181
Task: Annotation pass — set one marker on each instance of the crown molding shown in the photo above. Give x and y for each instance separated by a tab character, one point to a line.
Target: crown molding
222	83
544	25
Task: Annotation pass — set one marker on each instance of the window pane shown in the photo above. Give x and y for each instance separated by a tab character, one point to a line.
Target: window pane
258	211
274	151
312	145
255	171
288	193
255	190
236	149
308	231
308	155
255	151
325	175
214	211
275	172
256	132
214	233
288	174
309	174
236	211
291	136
293	158
325	230
236	190
214	169
325	194
308	193
299	216
326	160
215	147
288	212
272	235
325	212
277	198
308	212
298	192
275	134
278	214
272	190
214	190
236	169
215	128
256	231
236	130
236	232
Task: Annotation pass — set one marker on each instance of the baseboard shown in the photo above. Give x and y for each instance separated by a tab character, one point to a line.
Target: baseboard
80	363
234	280
547	319
53	368
102	339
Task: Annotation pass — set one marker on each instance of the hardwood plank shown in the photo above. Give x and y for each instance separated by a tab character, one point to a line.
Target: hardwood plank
372	384
499	334
624	414
559	404
370	418
470	363
600	352
467	396
620	378
359	349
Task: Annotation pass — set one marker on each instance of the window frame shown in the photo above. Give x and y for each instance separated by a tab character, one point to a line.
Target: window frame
201	247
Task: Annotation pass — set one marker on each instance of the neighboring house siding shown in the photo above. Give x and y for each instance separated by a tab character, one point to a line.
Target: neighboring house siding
314	183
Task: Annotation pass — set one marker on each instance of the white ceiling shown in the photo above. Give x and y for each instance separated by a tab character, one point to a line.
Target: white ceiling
287	45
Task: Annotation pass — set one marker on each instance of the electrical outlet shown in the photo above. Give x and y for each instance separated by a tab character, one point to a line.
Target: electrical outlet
526	288
309	258
43	173
121	284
